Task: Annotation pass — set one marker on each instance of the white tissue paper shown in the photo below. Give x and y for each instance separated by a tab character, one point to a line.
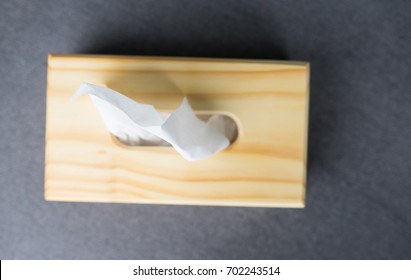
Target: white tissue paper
141	124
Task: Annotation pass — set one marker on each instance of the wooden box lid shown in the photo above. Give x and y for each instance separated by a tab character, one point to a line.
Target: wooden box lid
266	166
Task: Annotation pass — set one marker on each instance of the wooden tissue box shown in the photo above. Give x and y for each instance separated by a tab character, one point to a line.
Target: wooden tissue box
265	166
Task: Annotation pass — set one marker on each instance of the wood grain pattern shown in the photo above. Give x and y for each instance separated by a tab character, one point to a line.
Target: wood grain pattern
266	166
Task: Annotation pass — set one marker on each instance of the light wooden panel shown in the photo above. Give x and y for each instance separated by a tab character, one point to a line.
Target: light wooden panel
266	166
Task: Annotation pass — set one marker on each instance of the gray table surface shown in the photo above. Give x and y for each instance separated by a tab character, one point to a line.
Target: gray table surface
359	160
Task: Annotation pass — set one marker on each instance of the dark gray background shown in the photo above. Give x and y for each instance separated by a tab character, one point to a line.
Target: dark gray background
359	167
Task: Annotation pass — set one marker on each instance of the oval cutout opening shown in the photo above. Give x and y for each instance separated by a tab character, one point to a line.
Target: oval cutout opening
221	122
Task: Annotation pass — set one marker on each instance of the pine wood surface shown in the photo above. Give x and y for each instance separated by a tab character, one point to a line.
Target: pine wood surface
265	166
